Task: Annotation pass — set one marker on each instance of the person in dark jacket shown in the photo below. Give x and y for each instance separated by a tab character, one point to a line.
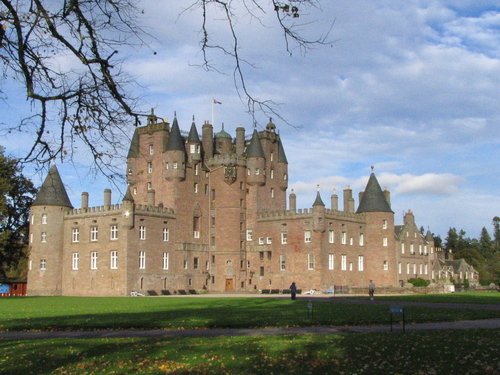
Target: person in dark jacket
293	290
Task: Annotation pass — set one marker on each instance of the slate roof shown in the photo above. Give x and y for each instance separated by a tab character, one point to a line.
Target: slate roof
193	136
373	199
223	133
254	149
133	151
52	192
318	201
128	196
281	153
175	141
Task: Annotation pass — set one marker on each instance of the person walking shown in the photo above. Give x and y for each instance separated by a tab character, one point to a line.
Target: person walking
293	290
371	289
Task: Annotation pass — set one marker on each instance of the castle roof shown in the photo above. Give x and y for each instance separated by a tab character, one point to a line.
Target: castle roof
133	151
193	136
254	149
281	153
318	201
128	196
175	141
222	134
428	236
52	192
373	199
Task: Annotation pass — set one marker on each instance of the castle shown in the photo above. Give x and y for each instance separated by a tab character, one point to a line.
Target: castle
211	215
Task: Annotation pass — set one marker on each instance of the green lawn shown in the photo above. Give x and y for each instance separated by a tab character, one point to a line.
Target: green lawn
484	297
440	352
66	313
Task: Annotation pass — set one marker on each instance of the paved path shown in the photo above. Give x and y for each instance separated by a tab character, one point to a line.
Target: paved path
212	332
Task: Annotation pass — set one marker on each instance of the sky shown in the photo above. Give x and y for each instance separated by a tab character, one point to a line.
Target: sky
411	88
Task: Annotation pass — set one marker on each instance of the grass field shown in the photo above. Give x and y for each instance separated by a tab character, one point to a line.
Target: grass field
69	313
415	352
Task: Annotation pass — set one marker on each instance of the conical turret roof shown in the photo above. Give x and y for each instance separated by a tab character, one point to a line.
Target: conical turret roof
52	192
281	153
175	141
133	151
428	236
373	199
318	201
223	133
193	136
254	149
128	195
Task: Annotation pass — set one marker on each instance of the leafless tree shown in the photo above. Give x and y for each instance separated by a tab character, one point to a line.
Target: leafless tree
66	56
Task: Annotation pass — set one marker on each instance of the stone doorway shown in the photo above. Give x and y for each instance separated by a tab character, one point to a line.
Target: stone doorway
229	285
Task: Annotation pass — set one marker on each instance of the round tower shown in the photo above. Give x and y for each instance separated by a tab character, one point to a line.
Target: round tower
256	162
175	155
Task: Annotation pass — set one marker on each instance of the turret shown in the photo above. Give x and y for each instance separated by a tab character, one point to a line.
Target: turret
292	201
348	200
335	201
175	155
318	210
47	236
256	161
223	142
194	145
240	141
128	206
282	167
208	140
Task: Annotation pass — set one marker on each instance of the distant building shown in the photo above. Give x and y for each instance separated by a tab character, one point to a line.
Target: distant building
210	214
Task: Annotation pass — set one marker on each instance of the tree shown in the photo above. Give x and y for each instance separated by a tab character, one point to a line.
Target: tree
87	101
16	196
496	232
485	243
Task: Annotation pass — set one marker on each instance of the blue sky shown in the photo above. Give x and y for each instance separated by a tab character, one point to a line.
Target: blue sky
410	87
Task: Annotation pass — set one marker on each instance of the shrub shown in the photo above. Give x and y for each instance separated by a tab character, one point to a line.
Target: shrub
419	282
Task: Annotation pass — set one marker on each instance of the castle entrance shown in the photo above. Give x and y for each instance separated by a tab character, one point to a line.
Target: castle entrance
229	285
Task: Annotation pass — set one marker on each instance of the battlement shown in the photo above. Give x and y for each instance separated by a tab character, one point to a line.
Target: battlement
226	159
116	208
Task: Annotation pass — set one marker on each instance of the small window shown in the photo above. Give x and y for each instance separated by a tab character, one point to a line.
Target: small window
185	264
166	234
150	167
43	236
310	262
195	263
249	235
360	263
151	150
361	239
114	232
165	261
282	263
386	266
44	218
331	236
402	248
142	260
400	269
269	240
343	263
384	224
43	264
272	192
94	232
196	169
331	261
384	241
175	165
113	259
307	236
261	271
272	174
149	186
75	235
284	238
344	238
75	260
261	240
257	171
195	188
93	260
142	232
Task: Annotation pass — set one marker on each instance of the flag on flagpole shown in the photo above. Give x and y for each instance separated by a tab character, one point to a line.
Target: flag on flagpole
217	102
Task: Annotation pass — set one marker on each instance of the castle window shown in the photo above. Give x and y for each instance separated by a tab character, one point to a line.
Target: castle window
249	235
248	172
272	156
175	165
261	271
75	235
285	177
196	227
167	167
195	263
207	265
150	167
93	260
420	249
190	282
113	259
195	188
43	236
130	171
185	264
269	240
272	173
282	263
331	236
407	268
166	234
206	189
421	269
75	260
361	239
350	266
361	261
384	241
344	238
142	232
32	219
257	171
165	261
343	262
149	186
284	238
151	150
310	262
93	234
114	232
415	269
196	168
31	237
43	264
272	192
192	149
402	248
331	261
269	255
384	224
399	268
351	241
261	240
386	266
134	191
261	255
425	270
142	260
425	249
44	218
412	250
307	236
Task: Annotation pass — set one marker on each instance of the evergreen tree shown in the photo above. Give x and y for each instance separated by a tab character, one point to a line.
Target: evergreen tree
485	243
16	196
496	232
